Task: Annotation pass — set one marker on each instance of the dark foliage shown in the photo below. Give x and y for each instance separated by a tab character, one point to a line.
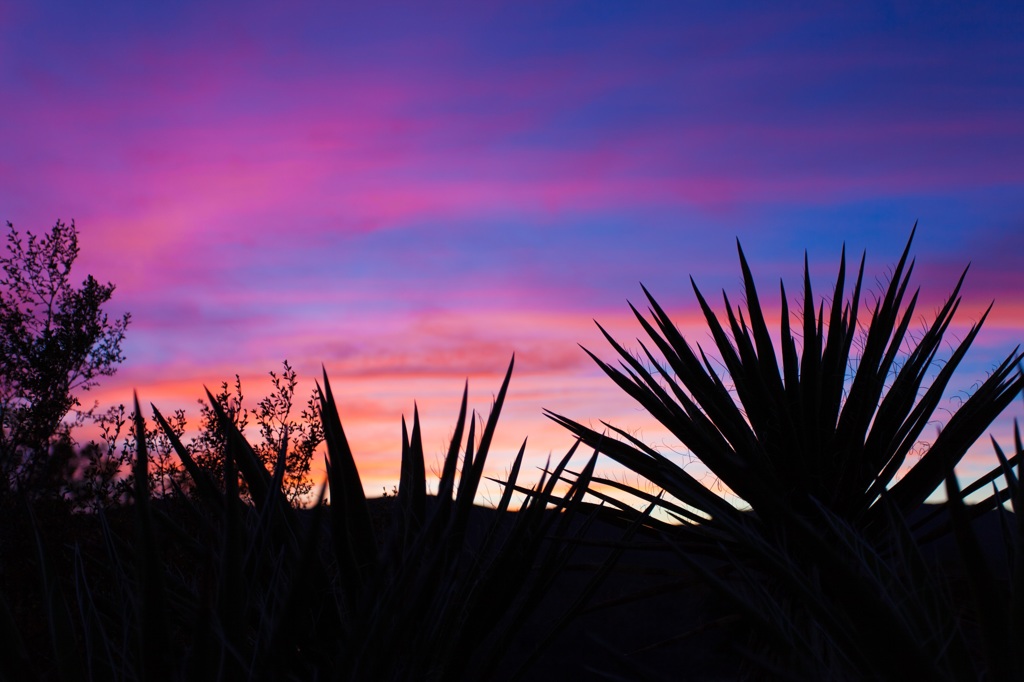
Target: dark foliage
55	341
830	562
813	446
220	588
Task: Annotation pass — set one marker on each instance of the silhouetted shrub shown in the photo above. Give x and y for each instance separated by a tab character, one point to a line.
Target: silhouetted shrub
55	341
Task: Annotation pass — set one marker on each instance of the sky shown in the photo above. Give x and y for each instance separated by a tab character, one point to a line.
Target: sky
409	194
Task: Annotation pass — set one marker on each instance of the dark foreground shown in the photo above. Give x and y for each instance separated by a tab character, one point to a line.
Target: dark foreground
650	617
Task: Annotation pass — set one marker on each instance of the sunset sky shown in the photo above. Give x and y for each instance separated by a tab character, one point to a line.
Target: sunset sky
410	196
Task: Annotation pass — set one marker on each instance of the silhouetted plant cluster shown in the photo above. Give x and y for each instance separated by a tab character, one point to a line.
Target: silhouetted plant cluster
276	422
824	555
224	587
816	447
56	342
275	419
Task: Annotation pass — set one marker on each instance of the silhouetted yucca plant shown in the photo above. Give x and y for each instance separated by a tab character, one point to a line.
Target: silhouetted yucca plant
821	428
812	443
442	599
897	611
224	589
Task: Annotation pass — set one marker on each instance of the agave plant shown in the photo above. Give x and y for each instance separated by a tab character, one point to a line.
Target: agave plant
812	444
225	589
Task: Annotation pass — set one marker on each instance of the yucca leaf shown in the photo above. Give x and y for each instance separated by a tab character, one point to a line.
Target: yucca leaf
882	447
869	380
472	468
412	486
351	526
835	358
765	348
1006	466
691	426
492	421
906	436
248	463
688	424
506	495
790	363
463	504
682	512
204	483
231	604
276	522
647	463
964	428
709	393
447	483
977	508
150	568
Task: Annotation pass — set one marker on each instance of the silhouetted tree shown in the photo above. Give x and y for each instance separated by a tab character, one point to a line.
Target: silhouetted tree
55	341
